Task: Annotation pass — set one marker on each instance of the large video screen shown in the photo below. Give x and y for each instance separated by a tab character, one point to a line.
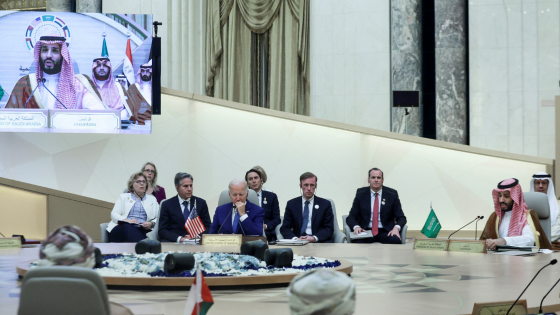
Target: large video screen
75	72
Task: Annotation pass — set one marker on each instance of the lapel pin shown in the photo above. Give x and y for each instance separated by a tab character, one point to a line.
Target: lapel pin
316	206
383	202
264	201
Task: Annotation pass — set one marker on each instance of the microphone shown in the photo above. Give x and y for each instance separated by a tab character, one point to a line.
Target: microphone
224	221
31	96
462	227
480	217
552	262
540	307
43	81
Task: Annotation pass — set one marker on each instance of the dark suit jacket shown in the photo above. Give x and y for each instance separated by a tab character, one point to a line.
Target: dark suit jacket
322	220
271	212
222	222
391	212
172	221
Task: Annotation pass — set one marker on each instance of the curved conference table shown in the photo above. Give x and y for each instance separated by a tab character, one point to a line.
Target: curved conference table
390	279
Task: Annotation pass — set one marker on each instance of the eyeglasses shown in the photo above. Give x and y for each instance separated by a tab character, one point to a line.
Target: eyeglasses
140	182
150	171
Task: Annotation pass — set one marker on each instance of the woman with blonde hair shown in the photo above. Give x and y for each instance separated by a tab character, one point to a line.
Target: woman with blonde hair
134	214
149	169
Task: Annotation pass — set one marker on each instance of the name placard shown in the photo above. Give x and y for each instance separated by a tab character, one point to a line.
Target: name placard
217	239
16	118
430	244
84	119
10	242
467	246
500	308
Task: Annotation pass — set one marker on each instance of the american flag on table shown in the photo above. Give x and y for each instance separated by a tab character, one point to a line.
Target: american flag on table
194	225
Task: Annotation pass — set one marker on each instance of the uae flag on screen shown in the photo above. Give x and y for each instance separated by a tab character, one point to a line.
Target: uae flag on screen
200	299
128	69
194	225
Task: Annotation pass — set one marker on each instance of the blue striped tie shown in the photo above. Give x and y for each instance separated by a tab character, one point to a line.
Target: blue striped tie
305	218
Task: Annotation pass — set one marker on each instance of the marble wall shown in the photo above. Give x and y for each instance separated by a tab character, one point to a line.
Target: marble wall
514	74
451	63
183	36
406	62
350	62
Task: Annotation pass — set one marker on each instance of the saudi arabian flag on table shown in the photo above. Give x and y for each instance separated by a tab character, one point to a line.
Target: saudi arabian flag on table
199	299
431	227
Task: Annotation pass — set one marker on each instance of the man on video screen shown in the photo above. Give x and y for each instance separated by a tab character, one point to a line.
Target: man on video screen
112	93
54	82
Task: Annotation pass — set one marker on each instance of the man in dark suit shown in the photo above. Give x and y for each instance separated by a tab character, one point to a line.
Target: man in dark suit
377	209
308	217
175	211
239	216
268	201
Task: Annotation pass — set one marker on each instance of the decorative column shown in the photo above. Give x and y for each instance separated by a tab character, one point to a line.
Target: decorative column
406	63
451	71
59	6
88	6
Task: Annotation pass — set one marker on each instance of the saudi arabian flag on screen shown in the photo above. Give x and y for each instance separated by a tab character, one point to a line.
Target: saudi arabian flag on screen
431	227
1	92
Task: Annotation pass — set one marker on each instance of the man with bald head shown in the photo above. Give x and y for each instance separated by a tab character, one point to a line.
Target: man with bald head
239	216
512	223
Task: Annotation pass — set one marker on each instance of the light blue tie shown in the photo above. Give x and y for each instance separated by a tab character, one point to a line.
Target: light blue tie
305	218
235	222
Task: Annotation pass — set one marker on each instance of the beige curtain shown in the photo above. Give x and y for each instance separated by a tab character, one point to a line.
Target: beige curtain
228	50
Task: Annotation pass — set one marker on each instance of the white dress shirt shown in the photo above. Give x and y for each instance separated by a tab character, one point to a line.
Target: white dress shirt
525	239
308	230
51	82
259	195
379	200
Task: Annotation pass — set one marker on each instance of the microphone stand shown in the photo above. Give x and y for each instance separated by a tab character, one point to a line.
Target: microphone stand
540	307
552	262
43	81
462	227
31	96
476	228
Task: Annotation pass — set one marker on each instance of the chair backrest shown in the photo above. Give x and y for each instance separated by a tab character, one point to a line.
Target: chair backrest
153	234
277	229
63	290
104	233
538	202
336	228
224	197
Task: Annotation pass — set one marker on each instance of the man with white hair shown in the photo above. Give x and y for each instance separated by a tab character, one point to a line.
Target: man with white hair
58	87
322	291
239	216
542	182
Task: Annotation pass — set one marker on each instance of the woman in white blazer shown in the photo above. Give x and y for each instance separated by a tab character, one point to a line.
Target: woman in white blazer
134	214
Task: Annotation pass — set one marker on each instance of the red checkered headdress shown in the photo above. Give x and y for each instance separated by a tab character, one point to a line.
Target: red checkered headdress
66	91
519	212
110	91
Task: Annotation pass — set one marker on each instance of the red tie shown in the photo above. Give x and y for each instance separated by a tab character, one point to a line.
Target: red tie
374	220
